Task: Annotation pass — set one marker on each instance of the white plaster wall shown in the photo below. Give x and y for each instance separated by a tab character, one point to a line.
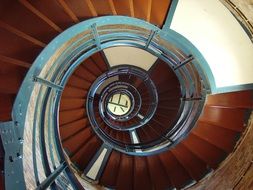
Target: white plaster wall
210	26
129	56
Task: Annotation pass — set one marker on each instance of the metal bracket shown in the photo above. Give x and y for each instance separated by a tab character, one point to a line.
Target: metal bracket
52	177
95	35
187	60
13	166
47	83
151	36
192	99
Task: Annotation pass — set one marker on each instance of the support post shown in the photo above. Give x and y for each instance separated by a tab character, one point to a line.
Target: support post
48	83
52	177
187	60
95	35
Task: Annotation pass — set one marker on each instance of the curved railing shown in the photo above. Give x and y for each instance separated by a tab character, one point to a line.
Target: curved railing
240	16
43	162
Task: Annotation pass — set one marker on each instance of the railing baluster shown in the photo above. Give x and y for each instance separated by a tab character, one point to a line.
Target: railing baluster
151	36
48	83
52	177
187	60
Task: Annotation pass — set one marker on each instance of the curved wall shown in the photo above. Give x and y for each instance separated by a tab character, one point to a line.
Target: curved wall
211	27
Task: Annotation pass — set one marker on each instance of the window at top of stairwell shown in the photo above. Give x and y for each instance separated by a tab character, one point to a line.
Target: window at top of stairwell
119	104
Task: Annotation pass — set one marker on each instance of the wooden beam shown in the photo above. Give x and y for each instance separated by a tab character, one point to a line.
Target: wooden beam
40	15
131	6
21	34
149	10
14	61
114	12
68	11
91	8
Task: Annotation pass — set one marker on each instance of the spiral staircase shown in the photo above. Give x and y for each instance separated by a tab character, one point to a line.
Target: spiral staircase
72	120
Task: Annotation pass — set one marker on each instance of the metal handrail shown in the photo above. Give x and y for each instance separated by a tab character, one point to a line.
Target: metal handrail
240	16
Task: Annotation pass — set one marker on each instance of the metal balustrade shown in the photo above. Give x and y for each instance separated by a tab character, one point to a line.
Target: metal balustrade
35	112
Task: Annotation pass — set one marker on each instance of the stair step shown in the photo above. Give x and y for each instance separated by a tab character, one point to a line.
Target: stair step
162	70
109	176
100	60
207	152
71	103
73	143
177	174
92	67
157	173
141	178
78	82
242	99
72	92
85	74
71	115
194	166
71	128
87	151
218	136
227	118
125	173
